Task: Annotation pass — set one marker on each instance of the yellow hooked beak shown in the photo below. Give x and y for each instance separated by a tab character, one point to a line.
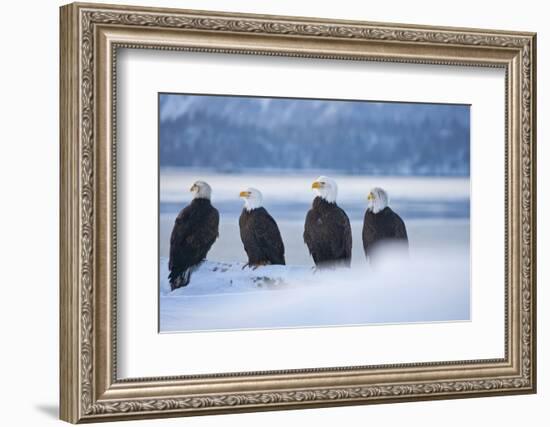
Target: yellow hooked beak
371	196
194	188
317	185
244	194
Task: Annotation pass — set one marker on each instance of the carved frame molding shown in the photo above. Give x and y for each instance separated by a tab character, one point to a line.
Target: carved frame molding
90	37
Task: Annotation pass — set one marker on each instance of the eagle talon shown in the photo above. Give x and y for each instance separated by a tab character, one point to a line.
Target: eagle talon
260	264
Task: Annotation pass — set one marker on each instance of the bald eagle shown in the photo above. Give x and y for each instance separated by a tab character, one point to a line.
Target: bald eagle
194	233
327	231
259	232
382	226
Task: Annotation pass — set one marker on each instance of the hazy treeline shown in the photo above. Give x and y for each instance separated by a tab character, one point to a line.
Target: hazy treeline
237	133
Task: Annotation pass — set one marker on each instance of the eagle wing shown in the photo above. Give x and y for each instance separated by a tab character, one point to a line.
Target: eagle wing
335	229
308	229
268	237
313	233
211	231
188	243
369	231
342	246
180	233
400	231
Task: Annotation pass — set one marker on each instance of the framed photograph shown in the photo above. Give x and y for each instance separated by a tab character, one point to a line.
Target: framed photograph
266	212
316	240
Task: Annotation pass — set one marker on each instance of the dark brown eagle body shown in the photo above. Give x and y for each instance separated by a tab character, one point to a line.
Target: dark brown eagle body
327	234
194	233
261	237
383	227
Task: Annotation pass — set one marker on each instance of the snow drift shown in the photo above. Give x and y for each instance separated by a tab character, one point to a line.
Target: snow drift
427	287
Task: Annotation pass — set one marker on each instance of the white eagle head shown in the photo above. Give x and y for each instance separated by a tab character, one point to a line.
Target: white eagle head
252	198
201	190
377	199
325	188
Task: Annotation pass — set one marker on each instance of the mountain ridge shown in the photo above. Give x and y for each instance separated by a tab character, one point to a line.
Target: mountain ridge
231	133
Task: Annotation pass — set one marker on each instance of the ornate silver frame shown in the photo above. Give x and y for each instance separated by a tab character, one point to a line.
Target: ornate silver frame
90	36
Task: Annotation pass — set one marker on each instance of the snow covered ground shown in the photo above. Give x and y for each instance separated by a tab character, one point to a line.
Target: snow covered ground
425	288
432	285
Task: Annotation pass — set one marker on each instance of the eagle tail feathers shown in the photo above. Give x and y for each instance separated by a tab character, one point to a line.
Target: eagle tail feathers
180	280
